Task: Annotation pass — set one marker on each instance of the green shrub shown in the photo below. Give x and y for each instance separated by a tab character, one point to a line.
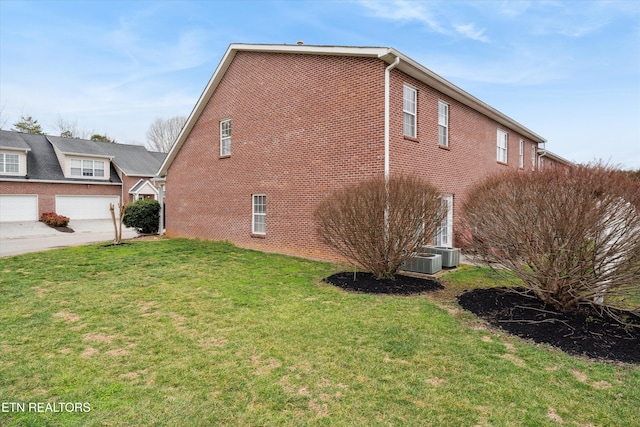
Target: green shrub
143	215
52	219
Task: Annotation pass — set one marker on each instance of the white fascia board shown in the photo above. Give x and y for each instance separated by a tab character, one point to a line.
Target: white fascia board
554	156
93	156
20	150
57	181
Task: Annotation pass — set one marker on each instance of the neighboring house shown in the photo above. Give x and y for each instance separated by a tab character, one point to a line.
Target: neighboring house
278	127
73	177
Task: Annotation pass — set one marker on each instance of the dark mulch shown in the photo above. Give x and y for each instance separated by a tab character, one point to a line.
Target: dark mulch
519	312
367	283
585	333
61	229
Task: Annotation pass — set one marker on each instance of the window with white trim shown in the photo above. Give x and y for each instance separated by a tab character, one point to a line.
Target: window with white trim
521	154
409	107
87	168
259	216
9	163
444	232
503	142
533	157
443	123
225	137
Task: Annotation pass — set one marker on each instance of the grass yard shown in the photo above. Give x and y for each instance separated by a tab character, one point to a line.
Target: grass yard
185	332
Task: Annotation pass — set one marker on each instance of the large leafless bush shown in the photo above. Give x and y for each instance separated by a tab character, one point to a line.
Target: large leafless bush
573	236
378	224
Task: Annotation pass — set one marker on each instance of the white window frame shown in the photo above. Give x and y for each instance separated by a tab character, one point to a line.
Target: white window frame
5	163
259	214
533	157
410	111
225	137
502	146
87	168
521	154
444	232
443	123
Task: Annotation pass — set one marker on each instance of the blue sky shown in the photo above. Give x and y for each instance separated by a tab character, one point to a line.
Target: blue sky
568	70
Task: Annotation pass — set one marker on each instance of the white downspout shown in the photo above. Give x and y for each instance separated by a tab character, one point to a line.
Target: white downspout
540	156
387	83
387	80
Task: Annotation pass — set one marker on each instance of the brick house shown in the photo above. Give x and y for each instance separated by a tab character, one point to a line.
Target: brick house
73	177
307	120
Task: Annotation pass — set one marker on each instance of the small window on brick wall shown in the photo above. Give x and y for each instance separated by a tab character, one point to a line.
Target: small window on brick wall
443	124
409	107
225	137
259	217
521	154
502	145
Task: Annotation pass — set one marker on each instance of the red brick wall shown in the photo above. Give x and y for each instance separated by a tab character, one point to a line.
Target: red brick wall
471	153
302	126
47	192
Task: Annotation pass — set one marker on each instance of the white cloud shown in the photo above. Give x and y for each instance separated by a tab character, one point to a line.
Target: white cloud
424	13
470	31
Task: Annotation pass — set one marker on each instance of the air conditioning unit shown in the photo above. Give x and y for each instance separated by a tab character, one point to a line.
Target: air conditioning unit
423	263
450	256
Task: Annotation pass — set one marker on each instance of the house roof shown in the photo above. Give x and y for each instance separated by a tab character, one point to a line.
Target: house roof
387	54
543	152
13	141
142	183
133	160
43	164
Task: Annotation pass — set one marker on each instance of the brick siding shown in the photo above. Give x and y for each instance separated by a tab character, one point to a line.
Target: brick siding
303	126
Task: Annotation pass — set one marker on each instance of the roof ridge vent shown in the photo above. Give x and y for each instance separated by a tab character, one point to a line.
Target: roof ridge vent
299	42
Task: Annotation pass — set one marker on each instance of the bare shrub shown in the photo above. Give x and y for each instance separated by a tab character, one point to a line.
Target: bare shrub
378	224
573	236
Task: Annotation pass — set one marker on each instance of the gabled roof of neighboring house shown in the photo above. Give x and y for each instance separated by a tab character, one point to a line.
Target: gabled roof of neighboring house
387	54
138	186
43	164
13	141
133	160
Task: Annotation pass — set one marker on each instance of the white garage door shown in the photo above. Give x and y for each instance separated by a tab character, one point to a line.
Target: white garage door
18	207
85	207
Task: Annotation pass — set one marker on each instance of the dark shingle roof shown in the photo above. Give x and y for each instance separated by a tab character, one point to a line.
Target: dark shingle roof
43	164
133	160
12	140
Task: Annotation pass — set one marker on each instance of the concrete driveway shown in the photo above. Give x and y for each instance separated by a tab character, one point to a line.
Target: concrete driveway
33	236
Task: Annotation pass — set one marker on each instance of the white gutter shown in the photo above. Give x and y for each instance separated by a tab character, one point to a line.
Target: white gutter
387	78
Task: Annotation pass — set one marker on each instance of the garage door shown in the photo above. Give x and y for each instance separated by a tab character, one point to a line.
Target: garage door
85	207
18	207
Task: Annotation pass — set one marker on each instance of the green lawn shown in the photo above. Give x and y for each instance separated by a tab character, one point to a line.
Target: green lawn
185	332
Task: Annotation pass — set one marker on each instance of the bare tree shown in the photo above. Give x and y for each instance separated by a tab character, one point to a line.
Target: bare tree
70	129
572	236
163	133
378	224
3	118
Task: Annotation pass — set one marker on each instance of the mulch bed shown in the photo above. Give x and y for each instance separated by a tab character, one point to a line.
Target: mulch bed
586	333
367	283
519	312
